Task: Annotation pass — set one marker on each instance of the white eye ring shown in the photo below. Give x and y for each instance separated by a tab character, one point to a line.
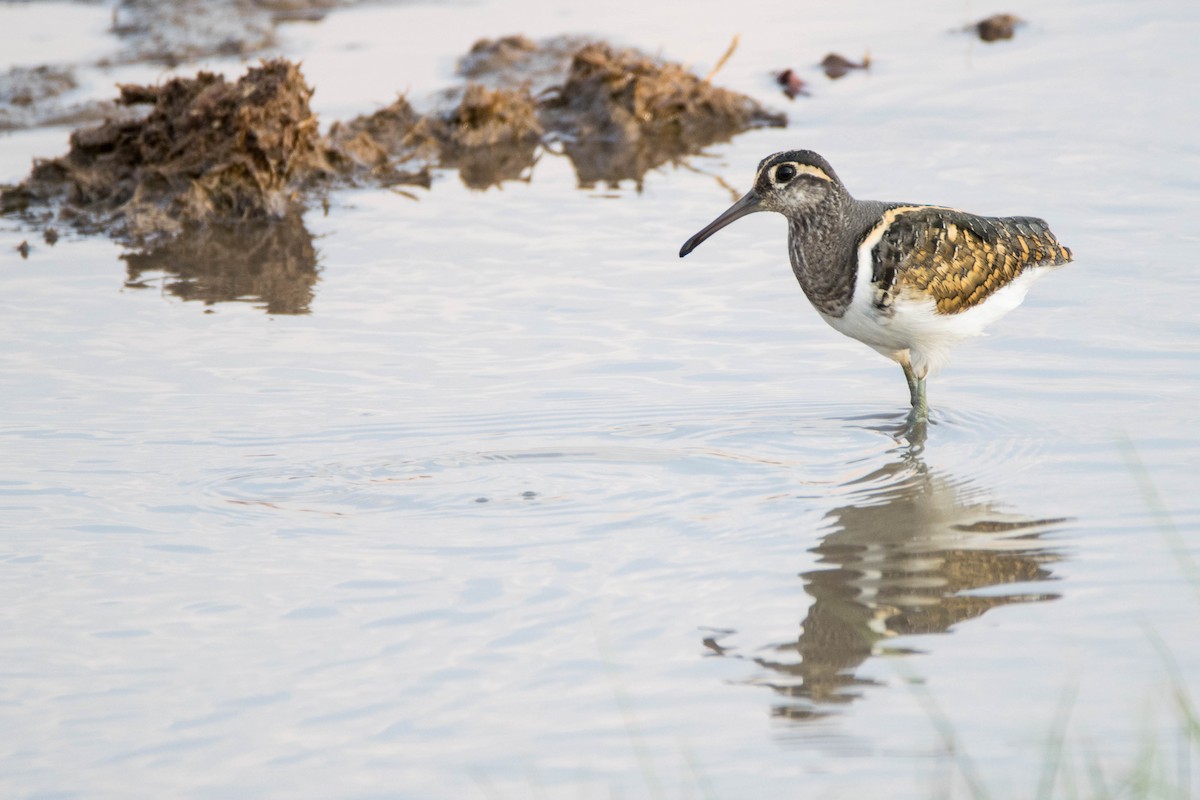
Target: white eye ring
783	173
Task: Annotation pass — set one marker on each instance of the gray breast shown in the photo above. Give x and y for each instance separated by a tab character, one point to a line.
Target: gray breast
824	264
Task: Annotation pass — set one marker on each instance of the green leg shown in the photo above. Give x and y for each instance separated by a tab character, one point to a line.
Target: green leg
916	393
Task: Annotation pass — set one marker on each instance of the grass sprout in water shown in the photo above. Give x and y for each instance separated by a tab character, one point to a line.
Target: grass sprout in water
1161	769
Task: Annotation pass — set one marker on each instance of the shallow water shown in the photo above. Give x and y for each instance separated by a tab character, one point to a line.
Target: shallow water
495	496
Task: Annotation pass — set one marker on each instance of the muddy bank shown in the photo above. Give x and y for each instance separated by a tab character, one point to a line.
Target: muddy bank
27	94
169	33
514	62
45	95
185	30
205	151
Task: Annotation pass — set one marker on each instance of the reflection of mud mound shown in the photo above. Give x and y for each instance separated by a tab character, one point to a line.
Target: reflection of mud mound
269	262
208	151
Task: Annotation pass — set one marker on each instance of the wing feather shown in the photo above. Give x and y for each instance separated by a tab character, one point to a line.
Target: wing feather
958	259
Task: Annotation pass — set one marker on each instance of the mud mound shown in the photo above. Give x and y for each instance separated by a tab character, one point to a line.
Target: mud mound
623	95
380	148
207	151
490	117
618	112
624	113
490	135
389	127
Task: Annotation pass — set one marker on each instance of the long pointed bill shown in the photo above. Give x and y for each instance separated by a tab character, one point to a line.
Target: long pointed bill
747	205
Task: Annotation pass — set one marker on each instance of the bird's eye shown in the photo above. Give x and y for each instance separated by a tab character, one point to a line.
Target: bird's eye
784	173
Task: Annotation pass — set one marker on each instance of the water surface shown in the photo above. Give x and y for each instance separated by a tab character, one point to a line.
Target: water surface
489	494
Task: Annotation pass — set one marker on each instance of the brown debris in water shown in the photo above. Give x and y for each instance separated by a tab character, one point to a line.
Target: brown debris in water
793	85
996	27
837	65
208	151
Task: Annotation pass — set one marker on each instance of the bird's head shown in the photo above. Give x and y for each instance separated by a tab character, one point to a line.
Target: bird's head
794	183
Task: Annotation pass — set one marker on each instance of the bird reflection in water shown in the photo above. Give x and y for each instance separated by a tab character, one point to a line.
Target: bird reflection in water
907	556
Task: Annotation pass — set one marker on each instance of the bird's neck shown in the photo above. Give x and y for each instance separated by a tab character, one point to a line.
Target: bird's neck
816	249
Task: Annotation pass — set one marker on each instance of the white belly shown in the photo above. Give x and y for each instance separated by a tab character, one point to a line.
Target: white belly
912	328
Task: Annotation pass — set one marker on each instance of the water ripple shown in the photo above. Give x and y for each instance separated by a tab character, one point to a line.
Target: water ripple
627	460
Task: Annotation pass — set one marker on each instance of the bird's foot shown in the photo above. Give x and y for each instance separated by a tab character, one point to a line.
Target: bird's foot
917	426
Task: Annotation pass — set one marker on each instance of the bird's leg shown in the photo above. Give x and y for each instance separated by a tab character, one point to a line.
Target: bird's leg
916	393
